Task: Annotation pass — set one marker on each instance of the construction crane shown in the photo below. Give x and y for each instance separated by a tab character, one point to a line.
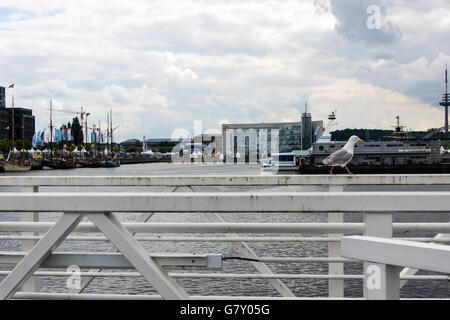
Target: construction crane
83	118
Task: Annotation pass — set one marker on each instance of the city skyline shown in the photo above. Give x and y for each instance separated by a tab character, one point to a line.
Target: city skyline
162	66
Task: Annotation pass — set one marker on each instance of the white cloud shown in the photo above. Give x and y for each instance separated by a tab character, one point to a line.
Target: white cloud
161	65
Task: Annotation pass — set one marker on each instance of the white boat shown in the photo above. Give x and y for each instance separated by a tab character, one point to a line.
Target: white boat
284	161
16	167
16	164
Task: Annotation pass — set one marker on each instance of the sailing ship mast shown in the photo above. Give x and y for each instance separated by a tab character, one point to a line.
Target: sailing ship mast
12	123
23	138
111	131
51	130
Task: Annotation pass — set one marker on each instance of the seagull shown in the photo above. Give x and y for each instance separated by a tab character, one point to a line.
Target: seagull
343	156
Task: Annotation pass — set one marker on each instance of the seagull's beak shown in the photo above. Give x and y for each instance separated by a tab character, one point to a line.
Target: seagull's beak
361	140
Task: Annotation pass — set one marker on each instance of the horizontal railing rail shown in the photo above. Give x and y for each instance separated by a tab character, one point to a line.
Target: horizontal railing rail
260	202
234	227
226	180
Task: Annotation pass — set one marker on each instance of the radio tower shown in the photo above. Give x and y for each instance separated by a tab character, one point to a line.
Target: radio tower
445	101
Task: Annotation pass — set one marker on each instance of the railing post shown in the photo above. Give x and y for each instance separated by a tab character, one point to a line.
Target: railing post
32	284
335	286
381	281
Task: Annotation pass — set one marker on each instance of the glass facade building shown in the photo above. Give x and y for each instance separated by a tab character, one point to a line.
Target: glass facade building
2	98
251	142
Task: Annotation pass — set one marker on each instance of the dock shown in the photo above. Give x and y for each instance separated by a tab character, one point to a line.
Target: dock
376	243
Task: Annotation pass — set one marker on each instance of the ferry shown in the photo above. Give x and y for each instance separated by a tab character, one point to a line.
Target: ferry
399	154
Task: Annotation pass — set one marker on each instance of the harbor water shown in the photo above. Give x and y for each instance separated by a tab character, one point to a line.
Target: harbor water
231	287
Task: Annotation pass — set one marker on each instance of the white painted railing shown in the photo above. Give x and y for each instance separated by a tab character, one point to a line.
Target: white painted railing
387	257
216	206
227	180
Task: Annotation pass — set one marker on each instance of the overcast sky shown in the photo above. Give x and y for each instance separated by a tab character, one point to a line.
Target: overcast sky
161	65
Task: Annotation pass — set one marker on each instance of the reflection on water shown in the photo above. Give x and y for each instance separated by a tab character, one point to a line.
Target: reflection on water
259	287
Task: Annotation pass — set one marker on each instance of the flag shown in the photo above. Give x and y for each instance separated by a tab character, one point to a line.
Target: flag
11	86
38	138
34	140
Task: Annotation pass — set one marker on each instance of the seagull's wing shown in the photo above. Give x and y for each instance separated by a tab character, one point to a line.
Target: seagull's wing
338	157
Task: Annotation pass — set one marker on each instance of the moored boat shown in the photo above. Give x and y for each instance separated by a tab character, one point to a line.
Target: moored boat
12	166
111	164
62	164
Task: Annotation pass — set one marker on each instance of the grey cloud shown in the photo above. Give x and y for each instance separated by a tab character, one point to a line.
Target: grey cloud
282	54
352	19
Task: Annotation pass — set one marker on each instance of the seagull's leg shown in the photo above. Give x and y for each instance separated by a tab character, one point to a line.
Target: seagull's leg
348	170
331	171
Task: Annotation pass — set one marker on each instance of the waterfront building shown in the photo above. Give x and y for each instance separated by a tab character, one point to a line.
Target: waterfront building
253	141
163	145
4	117
2	98
132	145
25	116
21	115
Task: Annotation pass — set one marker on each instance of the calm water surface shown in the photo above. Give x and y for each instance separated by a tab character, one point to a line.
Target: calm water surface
311	288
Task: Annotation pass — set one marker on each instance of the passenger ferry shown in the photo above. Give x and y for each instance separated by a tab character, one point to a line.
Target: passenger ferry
401	154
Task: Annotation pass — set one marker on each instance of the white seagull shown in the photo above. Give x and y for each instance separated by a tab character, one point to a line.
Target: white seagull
343	156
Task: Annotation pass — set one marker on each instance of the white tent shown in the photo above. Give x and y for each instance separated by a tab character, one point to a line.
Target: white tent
31	151
148	152
75	151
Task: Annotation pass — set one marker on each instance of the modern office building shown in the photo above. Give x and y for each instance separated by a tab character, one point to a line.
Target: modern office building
253	141
2	98
4	117
22	116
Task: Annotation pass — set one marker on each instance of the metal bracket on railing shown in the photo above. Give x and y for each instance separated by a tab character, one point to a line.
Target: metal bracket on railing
117	260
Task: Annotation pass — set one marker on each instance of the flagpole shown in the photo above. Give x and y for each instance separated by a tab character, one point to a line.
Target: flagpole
12	120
